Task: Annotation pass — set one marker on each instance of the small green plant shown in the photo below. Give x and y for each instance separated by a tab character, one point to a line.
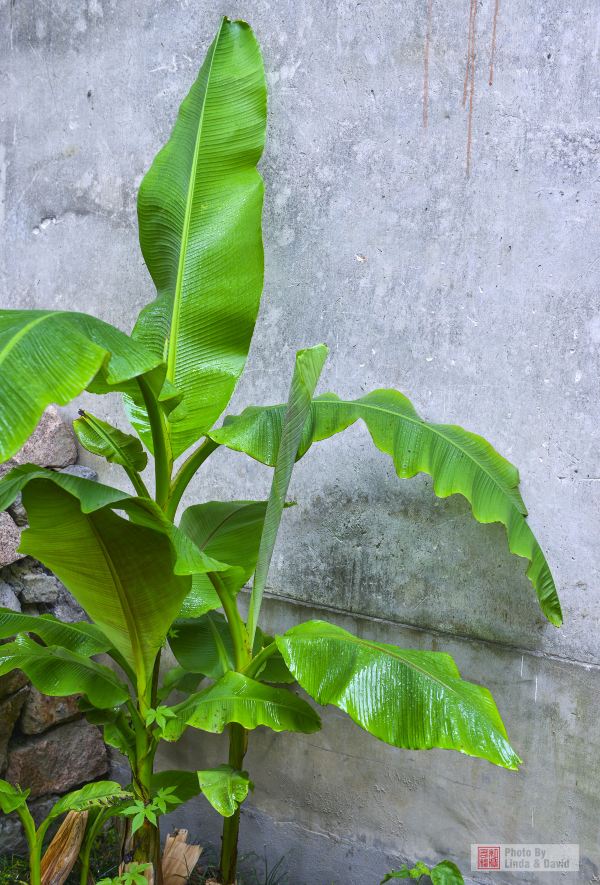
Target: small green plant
133	875
444	873
146	577
99	796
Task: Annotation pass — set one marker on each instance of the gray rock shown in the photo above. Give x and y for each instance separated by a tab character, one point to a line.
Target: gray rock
18	512
8	597
11	683
10	537
10	710
52	443
41	712
39	588
80	470
59	759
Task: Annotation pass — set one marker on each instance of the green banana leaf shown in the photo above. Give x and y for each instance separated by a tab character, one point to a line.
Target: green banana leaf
228	531
410	699
444	873
11	797
237	698
109	442
308	367
199	211
225	788
81	638
121	573
57	672
99	793
50	357
178	679
459	462
94	496
203	645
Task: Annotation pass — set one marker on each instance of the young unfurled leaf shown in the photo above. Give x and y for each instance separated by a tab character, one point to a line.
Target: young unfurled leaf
109	442
199	212
12	797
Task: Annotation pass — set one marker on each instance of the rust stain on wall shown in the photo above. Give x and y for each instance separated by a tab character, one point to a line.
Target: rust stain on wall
493	49
469	81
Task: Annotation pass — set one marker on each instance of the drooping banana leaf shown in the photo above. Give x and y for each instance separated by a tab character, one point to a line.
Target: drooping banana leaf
199	211
237	698
50	357
308	367
121	573
82	638
459	462
57	672
225	788
101	438
94	496
410	699
228	531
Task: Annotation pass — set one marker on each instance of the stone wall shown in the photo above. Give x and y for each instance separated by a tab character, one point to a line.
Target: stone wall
45	744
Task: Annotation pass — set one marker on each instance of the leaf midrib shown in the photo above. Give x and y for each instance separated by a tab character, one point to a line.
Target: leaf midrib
124	602
174	331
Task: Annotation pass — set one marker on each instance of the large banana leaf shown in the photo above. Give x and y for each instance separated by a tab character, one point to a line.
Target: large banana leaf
94	496
228	531
237	698
199	211
308	367
82	638
411	699
58	672
459	462
50	357
121	573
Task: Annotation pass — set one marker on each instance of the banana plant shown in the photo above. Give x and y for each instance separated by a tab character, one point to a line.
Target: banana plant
145	575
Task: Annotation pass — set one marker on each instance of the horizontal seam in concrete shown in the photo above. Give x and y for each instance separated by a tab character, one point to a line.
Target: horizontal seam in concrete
546	655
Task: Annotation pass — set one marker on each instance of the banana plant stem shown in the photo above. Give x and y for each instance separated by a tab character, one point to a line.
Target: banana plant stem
186	473
163	461
241	644
238	744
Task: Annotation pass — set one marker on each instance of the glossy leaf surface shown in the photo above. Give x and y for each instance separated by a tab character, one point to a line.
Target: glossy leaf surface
224	787
82	638
57	672
459	462
199	211
411	699
236	698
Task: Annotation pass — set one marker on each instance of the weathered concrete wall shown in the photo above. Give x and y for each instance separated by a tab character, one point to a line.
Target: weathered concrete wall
475	295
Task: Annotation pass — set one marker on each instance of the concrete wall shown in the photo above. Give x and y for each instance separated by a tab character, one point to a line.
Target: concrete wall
475	294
